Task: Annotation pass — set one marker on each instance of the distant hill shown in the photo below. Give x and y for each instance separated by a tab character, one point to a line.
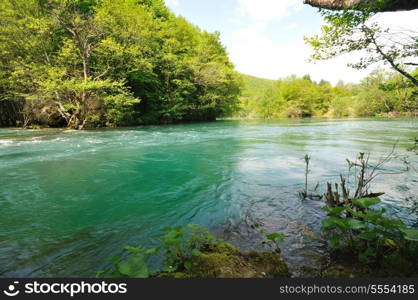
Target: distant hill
253	92
255	87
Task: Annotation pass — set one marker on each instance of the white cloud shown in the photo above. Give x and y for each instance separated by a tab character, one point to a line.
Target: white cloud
398	20
256	53
258	56
236	21
291	26
267	10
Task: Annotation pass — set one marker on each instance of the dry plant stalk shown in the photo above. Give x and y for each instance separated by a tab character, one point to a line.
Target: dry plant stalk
364	174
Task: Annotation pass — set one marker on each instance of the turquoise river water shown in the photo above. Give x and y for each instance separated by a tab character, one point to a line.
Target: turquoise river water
71	199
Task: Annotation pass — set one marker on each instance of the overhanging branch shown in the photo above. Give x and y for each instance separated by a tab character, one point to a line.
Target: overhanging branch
388	5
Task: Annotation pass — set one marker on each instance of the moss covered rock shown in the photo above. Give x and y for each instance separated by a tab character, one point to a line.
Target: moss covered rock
222	260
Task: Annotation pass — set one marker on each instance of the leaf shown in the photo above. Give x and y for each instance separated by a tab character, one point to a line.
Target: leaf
173	236
391	243
196	252
355	224
276	237
188	265
335	222
411	234
134	267
133	250
367	235
366	202
335	210
370	215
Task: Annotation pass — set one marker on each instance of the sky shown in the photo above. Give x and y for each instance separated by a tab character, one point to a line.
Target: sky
264	38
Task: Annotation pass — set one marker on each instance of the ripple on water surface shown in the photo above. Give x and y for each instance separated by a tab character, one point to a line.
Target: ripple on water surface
74	198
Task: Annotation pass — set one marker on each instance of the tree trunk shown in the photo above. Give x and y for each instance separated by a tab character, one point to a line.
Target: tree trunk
389	5
83	35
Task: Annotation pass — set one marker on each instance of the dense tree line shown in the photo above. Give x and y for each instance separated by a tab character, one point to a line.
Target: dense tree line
382	93
92	63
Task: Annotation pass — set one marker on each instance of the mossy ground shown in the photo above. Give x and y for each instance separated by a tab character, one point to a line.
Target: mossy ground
222	260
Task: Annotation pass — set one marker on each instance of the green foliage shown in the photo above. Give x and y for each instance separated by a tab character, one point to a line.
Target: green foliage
366	231
365	202
379	94
134	266
193	252
111	63
289	97
276	237
411	234
179	247
274	240
348	31
382	92
254	91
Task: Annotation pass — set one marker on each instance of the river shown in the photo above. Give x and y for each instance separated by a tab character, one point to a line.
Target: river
70	199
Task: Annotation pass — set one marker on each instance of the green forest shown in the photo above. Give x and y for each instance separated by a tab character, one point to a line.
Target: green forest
84	64
90	63
380	94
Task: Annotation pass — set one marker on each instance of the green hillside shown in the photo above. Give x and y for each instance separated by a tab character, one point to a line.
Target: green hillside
253	91
380	94
255	86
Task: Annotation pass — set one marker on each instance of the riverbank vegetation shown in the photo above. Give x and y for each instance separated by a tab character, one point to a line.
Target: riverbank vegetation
91	63
360	230
193	252
382	93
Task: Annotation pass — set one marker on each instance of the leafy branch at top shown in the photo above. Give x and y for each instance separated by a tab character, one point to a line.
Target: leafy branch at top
348	31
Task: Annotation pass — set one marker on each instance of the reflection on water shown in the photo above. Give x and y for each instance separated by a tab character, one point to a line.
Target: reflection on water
71	199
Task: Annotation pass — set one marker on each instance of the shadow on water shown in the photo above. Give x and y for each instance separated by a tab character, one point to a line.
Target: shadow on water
71	199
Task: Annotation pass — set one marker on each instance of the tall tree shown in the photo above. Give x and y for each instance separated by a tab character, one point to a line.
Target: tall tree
89	63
